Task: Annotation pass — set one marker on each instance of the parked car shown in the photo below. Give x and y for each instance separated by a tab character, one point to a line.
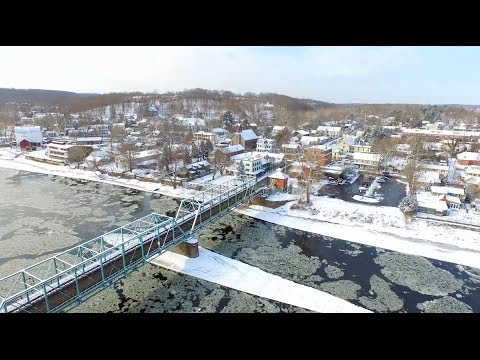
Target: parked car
332	196
386	173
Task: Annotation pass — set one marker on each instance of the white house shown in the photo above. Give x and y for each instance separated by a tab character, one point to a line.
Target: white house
331	131
264	144
253	165
448	190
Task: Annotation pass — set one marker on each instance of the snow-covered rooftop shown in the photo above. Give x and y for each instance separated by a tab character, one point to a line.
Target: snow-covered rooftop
302	132
248	135
306	140
233	148
429	177
366	156
278	174
329	128
472	170
145	153
435	167
429	201
470	156
86	139
291	146
441	132
447	190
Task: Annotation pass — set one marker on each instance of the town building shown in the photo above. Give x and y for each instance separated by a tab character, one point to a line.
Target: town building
468	158
204	136
254	165
88	140
278	180
264	144
367	161
291	151
472	171
448	190
246	138
28	137
67	153
331	131
321	155
232	150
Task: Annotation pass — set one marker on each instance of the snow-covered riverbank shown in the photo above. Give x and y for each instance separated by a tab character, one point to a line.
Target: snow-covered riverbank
234	274
8	161
382	227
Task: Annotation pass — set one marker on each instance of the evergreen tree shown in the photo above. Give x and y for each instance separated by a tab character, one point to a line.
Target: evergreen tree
228	119
187	157
409	204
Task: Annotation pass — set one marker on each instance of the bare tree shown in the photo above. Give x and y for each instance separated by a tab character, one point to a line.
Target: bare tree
128	151
411	172
310	171
78	154
117	132
386	147
219	163
6	121
170	158
93	163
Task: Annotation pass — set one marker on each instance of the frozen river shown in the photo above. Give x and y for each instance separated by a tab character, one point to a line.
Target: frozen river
41	215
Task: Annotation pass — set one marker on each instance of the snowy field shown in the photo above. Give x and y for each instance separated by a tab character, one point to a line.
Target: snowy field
224	271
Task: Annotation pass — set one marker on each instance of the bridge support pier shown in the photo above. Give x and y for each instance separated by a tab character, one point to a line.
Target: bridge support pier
191	247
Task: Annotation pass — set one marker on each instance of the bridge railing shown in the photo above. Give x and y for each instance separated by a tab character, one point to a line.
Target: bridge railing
97	262
36	281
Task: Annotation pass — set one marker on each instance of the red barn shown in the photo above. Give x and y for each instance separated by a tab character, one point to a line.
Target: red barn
25	145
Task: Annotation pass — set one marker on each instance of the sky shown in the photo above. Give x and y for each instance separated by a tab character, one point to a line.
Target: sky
338	74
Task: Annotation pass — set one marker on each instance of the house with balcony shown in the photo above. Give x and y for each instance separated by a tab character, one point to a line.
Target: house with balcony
264	144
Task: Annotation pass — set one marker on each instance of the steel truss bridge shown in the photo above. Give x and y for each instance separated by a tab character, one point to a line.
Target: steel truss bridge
64	280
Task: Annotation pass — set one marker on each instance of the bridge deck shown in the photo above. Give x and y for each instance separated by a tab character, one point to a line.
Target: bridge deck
69	277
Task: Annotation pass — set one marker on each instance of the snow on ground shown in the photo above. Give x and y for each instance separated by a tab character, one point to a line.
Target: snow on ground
208	179
281	196
405	243
21	163
365	199
224	271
